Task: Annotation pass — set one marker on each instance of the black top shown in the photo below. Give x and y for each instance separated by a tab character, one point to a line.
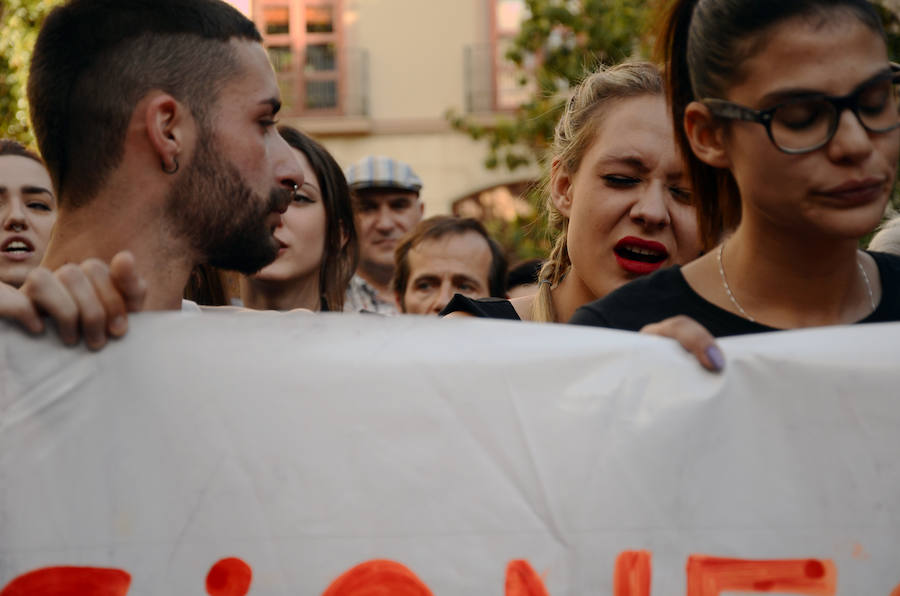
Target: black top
666	293
485	308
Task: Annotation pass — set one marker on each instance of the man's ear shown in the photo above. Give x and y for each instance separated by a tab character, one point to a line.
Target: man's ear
167	122
706	135
561	187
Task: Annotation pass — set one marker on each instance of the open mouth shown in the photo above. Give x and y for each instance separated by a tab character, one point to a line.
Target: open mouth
640	256
17	247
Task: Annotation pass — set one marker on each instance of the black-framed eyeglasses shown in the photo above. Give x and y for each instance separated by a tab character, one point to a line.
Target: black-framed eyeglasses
808	121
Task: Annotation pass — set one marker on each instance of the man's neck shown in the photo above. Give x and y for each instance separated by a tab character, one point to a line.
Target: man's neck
379	277
94	232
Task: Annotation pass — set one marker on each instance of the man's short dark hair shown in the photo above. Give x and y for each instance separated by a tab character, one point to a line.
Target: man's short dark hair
437	227
94	59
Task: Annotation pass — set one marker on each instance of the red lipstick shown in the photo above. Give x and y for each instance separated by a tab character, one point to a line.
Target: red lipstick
639	256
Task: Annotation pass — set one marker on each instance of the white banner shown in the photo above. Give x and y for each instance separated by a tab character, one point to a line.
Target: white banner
292	454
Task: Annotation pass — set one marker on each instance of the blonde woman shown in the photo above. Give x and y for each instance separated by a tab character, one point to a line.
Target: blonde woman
888	237
618	199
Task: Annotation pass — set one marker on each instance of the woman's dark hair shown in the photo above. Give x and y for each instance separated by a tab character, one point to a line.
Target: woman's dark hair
341	251
704	44
11	147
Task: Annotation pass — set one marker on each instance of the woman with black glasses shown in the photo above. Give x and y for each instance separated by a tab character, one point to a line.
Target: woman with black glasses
791	124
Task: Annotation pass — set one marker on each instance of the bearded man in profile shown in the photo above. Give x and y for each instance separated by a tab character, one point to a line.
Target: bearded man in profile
156	119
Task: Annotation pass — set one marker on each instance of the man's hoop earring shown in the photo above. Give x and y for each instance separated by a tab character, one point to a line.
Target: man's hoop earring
173	170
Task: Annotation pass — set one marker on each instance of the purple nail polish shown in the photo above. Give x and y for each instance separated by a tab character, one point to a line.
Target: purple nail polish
715	357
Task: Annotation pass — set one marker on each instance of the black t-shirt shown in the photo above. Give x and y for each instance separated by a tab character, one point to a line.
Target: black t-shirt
666	293
485	308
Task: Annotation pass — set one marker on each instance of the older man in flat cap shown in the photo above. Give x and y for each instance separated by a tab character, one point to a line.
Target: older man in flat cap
386	206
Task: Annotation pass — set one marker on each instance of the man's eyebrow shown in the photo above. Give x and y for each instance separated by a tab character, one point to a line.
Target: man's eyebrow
424	277
461	277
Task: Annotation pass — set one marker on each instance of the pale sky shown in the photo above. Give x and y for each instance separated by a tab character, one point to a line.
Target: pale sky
241	5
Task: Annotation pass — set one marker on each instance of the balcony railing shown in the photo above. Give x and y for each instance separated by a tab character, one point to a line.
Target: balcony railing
478	71
321	81
356	92
492	83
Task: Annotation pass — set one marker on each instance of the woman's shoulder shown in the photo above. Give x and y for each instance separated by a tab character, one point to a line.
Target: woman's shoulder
486	308
659	296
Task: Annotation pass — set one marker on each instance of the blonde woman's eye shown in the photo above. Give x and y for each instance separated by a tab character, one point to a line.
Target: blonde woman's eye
680	194
618	181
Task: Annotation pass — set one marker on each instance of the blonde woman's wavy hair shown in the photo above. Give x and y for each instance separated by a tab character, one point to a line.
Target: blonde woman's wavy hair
575	132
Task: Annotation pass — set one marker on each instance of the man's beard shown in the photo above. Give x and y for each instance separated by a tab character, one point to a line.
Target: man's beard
222	218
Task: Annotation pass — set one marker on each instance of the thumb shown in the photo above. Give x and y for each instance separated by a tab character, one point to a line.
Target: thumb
124	274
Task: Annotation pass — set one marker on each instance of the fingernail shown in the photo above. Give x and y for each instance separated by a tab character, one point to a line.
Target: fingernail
714	354
119	325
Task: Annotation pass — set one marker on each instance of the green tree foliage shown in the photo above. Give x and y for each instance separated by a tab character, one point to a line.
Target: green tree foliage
20	21
563	40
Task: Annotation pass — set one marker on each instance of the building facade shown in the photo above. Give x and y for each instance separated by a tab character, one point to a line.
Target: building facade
378	76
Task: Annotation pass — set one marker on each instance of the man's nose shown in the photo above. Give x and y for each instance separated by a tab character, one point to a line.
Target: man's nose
288	172
385	219
443	298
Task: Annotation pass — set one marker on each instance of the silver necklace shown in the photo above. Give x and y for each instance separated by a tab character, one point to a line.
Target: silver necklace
744	312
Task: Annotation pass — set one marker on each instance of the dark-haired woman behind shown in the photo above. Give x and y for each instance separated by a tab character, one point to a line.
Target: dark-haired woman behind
319	249
790	120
